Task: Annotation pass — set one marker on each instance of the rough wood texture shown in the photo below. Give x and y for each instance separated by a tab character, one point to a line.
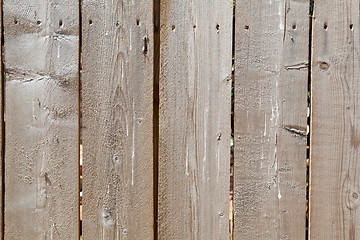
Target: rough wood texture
41	155
117	75
335	136
194	143
271	73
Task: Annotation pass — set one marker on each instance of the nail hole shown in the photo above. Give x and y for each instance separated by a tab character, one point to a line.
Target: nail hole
16	21
90	22
351	26
117	24
294	26
194	26
60	23
217	27
38	22
173	27
106	214
246	27
325	26
137	22
116	158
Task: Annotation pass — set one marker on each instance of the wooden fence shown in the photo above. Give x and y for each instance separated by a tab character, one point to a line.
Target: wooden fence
144	87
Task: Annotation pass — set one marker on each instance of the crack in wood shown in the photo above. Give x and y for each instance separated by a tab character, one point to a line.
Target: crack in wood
29	76
298	66
296	130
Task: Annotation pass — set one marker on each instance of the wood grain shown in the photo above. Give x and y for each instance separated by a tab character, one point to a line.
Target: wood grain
271	75
117	76
194	142
335	126
41	154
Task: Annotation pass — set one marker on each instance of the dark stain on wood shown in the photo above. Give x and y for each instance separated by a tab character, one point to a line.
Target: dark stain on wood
355	137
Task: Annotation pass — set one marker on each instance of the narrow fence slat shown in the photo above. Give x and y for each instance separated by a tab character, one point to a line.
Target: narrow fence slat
41	154
271	75
117	83
335	125
194	142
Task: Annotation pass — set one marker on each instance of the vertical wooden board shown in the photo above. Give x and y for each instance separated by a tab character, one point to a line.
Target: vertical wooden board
271	75
41	154
335	125
194	141
117	76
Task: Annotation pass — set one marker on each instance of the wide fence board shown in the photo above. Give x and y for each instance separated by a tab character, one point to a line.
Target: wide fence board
335	125
41	154
194	141
271	75
117	83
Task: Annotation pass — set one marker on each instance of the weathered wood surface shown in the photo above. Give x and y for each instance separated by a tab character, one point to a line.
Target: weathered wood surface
41	155
335	137
194	142
117	78
271	74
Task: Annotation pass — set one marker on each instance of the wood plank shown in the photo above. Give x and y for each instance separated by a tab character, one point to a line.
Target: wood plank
41	154
271	74
335	126
117	75
194	142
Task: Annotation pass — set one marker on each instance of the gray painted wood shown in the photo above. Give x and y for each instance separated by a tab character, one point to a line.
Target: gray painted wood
194	142
41	155
335	139
117	77
271	74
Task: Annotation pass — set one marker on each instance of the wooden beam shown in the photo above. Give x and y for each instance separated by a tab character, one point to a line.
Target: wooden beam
271	77
195	107
42	114
117	77
335	125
